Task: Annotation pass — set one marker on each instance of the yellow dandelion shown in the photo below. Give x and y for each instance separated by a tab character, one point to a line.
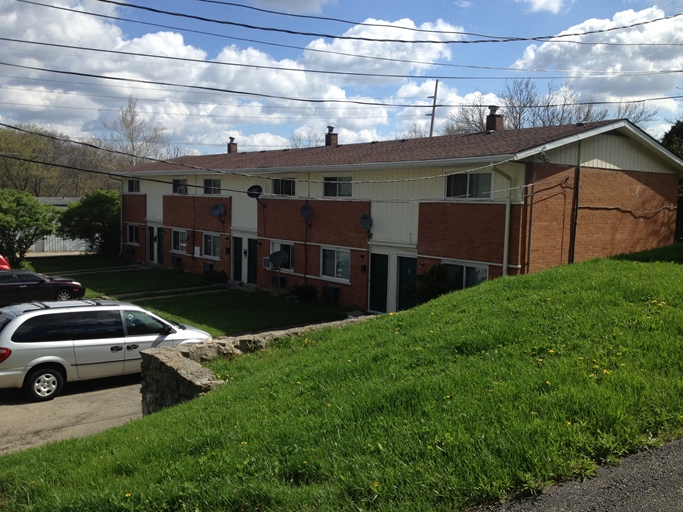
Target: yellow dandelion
128	495
605	372
376	484
540	359
243	442
547	382
569	423
447	397
591	376
329	405
533	413
595	366
551	351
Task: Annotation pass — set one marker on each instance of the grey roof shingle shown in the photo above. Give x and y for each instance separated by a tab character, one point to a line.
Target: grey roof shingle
476	145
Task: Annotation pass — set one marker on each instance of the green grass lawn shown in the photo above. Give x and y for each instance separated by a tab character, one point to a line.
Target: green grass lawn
489	392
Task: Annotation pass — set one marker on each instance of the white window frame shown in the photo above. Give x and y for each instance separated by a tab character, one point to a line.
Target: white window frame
179	186
288	266
133	186
342	258
210	188
133	229
467	273
337	186
215	245
179	241
471	183
278	186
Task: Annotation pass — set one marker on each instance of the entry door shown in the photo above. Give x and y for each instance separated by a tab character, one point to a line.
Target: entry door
236	258
252	260
151	253
379	281
407	276
160	246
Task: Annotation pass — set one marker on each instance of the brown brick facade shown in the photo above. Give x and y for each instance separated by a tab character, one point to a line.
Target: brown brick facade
333	223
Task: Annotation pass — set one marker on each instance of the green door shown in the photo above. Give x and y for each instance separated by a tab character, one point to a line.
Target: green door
407	276
236	258
379	281
252	260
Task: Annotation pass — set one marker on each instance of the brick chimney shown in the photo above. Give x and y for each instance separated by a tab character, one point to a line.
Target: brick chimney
331	138
232	145
494	122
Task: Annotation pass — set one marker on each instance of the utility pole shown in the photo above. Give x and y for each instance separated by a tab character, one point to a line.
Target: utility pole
431	127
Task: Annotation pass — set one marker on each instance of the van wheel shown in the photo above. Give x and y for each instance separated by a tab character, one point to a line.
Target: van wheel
43	384
64	294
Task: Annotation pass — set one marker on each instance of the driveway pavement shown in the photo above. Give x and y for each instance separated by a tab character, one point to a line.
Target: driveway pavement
83	408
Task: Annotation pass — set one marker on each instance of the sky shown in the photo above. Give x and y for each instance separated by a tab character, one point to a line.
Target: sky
271	72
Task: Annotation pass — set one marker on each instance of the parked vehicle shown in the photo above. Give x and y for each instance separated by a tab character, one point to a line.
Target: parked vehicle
45	344
4	264
17	286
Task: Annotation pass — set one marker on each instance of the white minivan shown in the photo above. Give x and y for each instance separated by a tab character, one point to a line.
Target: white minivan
44	344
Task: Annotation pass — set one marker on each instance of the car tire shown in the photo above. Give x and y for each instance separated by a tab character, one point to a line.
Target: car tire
43	384
64	294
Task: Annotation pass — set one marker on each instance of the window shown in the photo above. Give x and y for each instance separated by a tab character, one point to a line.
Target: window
133	234
336	264
139	323
55	327
92	325
337	187
212	246
287	248
180	186
284	187
133	186
212	186
465	276
475	185
179	241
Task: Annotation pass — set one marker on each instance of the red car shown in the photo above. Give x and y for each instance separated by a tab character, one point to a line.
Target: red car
4	264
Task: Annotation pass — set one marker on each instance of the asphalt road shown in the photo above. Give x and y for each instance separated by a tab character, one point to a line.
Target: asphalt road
83	408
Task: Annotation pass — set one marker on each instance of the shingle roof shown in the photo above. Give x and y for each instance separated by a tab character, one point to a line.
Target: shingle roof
469	146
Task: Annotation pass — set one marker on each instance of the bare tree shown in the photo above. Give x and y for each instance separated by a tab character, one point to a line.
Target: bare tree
305	137
520	98
415	132
636	112
134	136
470	118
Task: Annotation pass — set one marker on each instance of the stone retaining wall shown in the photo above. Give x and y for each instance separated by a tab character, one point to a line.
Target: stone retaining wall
172	375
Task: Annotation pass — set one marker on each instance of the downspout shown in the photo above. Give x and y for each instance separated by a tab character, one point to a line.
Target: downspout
532	197
508	211
575	213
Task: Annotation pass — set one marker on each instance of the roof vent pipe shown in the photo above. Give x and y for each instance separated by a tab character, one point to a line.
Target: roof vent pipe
494	122
331	138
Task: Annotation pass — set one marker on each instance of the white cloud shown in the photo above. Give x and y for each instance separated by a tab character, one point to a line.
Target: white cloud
633	55
553	6
293	6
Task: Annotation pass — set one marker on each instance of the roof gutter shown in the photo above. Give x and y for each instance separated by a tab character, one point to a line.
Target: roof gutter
379	166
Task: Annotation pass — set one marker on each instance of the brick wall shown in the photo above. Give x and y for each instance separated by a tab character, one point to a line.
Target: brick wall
135	212
468	231
622	212
550	216
333	223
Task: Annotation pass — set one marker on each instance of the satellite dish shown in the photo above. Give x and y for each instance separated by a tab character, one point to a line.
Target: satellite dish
306	211
278	258
365	221
217	210
255	191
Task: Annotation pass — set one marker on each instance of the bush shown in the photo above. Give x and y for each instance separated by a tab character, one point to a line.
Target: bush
304	292
431	284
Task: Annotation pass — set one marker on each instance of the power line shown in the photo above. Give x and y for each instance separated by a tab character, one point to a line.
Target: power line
488	39
592	73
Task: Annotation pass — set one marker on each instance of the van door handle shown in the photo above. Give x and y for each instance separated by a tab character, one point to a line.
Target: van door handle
116	348
132	347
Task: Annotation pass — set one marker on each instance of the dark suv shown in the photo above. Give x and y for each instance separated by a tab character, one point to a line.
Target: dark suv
18	286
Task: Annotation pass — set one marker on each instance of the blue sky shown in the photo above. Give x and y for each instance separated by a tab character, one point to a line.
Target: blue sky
266	78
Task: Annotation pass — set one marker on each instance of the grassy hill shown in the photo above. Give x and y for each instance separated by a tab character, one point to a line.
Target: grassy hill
492	391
